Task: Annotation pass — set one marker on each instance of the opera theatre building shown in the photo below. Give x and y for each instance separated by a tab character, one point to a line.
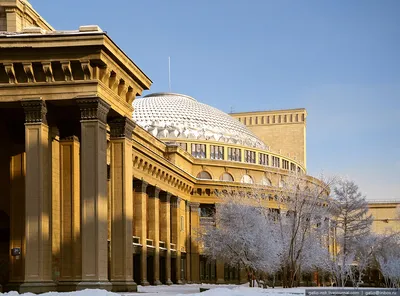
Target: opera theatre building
103	189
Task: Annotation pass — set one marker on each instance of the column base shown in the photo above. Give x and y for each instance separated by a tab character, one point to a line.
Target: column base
144	283
105	285
157	283
67	286
33	287
179	282
220	281
169	282
124	286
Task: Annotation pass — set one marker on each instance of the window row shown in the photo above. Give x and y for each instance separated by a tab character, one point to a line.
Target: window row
235	154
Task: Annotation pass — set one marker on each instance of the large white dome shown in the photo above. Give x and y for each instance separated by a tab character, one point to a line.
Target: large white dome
176	116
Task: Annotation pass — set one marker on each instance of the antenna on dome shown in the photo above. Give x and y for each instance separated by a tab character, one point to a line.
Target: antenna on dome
169	73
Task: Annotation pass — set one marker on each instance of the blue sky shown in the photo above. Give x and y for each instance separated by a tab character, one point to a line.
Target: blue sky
338	59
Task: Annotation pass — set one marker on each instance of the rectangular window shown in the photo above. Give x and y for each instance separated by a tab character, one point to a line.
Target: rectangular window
263	159
292	167
249	156
275	162
183	146
285	164
234	154
182	223
199	150
216	152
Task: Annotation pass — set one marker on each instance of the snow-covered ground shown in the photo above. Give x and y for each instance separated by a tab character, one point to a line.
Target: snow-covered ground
187	290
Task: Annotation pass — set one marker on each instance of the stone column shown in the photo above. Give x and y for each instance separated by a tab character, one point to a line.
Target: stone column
37	253
154	229
194	245
176	235
94	193
220	272
70	221
121	205
140	225
165	213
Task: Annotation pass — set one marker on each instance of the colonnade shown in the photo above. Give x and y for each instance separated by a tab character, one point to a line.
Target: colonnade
74	220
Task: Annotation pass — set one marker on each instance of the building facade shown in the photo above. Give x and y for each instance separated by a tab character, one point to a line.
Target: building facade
105	190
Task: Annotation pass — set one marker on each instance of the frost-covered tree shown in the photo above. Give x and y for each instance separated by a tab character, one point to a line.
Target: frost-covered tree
388	258
241	235
353	223
303	226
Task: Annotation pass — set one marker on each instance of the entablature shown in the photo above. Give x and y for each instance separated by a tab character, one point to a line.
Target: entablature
69	66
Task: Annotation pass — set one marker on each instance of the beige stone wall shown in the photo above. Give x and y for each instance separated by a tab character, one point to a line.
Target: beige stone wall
284	131
386	216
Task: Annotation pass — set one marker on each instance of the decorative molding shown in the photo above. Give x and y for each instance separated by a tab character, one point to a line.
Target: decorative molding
9	67
113	80
69	139
154	192
175	201
48	71
165	196
140	186
93	109
121	127
35	111
194	206
87	69
29	72
66	67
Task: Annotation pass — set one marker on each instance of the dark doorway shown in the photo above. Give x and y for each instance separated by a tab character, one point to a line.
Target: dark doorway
4	247
173	270
162	270
150	269
136	268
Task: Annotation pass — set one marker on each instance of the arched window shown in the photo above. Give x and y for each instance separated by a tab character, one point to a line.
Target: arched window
204	175
265	181
226	177
282	184
247	179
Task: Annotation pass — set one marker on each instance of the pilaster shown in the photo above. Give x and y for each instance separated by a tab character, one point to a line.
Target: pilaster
220	272
165	210
94	193
175	207
194	245
154	228
121	205
37	199
70	224
188	238
140	225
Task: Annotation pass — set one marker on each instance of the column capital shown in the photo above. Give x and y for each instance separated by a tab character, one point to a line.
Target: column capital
165	196
194	206
121	127
70	139
93	108
154	192
175	201
35	110
140	186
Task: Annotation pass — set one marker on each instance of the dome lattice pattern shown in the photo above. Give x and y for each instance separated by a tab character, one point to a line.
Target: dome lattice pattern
176	116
